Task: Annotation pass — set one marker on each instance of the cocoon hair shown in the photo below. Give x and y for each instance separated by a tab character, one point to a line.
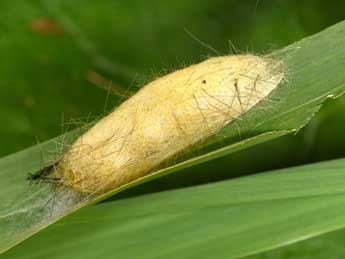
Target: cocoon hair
165	118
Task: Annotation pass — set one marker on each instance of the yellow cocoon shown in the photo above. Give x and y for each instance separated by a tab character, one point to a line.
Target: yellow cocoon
165	117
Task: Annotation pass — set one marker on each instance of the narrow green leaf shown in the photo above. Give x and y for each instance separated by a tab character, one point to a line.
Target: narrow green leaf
228	219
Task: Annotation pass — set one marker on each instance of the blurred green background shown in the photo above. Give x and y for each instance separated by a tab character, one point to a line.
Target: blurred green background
58	58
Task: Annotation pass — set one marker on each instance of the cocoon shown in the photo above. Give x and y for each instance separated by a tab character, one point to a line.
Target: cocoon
164	118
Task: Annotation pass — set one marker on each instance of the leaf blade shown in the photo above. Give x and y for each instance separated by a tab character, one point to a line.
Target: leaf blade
228	219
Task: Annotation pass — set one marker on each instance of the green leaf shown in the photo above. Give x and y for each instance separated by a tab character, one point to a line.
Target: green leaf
330	245
313	74
228	219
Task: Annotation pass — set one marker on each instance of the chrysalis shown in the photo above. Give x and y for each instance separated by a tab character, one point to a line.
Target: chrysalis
166	117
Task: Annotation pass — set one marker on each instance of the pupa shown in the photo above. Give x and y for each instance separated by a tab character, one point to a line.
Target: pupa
165	118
